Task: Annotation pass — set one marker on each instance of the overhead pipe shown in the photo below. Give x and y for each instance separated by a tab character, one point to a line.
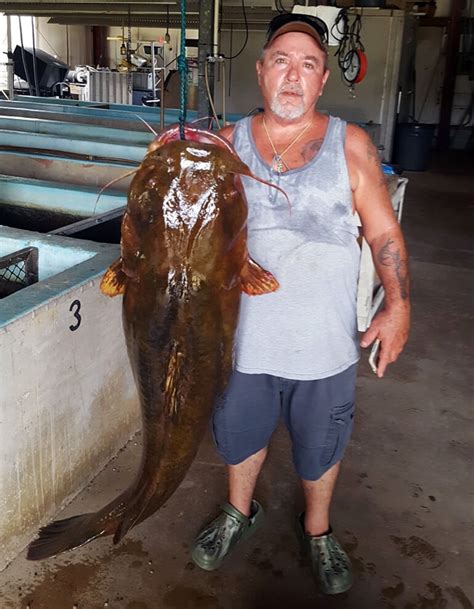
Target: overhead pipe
450	73
205	49
98	46
217	60
215	37
35	69
10	68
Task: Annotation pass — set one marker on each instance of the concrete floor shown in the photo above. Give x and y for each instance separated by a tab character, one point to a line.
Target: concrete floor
404	503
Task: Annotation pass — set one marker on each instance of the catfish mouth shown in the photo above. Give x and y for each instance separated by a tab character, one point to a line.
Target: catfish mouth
191	134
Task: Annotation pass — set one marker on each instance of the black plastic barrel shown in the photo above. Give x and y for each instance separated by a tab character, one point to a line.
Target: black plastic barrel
413	143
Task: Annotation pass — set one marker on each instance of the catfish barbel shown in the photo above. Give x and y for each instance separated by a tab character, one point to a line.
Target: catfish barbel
183	264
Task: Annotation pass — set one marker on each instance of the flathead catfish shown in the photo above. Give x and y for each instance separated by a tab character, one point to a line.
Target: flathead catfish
183	263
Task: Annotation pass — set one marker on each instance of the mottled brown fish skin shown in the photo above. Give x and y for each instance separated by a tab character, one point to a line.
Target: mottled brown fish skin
181	312
183	264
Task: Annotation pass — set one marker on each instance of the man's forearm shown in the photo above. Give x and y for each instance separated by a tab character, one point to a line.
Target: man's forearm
391	262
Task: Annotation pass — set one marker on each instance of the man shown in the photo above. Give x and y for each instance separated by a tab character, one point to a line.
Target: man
296	349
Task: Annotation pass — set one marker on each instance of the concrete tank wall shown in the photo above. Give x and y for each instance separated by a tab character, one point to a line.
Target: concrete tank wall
67	398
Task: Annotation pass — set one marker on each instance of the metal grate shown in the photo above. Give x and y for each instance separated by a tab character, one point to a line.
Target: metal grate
18	270
106	86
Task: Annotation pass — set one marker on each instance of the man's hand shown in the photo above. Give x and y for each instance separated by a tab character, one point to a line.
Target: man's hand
391	326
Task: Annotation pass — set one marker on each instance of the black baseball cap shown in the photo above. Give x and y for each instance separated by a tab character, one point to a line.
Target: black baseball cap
296	22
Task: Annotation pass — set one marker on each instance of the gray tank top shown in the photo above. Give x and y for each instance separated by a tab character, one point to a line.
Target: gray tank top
307	329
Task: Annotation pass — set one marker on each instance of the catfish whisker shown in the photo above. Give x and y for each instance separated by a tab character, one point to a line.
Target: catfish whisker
202	118
262	181
125	175
147	124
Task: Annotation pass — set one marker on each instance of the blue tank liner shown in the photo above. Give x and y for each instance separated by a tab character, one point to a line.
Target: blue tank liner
48	158
74	103
87	148
124	111
127	122
63	263
91	110
81	132
65	170
54	196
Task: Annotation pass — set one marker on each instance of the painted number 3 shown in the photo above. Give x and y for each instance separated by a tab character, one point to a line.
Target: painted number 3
75	308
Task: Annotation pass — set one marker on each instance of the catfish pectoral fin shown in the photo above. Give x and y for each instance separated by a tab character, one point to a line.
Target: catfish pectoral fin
256	280
113	282
62	535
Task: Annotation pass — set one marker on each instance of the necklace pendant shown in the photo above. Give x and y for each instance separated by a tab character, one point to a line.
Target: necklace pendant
277	164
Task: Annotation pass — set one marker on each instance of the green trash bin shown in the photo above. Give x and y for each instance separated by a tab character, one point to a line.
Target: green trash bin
413	144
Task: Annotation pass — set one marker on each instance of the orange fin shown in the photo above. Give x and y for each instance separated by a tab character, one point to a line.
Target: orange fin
256	280
113	282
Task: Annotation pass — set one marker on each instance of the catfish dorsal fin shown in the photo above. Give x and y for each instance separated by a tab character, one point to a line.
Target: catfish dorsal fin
113	282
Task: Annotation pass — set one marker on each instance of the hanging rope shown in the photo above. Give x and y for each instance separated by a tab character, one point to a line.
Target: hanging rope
183	72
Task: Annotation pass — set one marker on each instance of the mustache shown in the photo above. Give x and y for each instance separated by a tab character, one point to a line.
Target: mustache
295	89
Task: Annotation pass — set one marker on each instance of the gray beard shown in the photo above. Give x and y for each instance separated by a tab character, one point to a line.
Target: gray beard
286	111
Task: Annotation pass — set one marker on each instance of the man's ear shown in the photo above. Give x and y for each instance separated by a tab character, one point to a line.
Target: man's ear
258	66
323	84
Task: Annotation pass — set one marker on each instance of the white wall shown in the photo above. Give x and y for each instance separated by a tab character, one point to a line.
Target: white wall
430	69
15	31
430	61
442	8
70	43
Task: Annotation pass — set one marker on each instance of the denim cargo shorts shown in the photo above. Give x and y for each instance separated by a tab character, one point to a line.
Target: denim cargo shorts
318	414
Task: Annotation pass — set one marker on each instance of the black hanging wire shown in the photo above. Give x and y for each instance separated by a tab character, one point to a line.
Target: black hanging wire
167	35
35	70
340	27
279	7
230	50
246	34
349	39
129	40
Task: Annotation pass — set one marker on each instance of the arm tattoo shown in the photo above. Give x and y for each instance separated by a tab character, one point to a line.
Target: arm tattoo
392	258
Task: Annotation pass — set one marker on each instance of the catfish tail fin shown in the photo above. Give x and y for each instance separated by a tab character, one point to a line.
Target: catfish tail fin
62	535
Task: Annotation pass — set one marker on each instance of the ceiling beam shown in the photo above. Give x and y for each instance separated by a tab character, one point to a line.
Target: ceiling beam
142	13
92	7
120	20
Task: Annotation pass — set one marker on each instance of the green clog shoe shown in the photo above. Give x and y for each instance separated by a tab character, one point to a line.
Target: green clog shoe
330	564
218	539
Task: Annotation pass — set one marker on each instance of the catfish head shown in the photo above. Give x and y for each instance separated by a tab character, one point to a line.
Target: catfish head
186	207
